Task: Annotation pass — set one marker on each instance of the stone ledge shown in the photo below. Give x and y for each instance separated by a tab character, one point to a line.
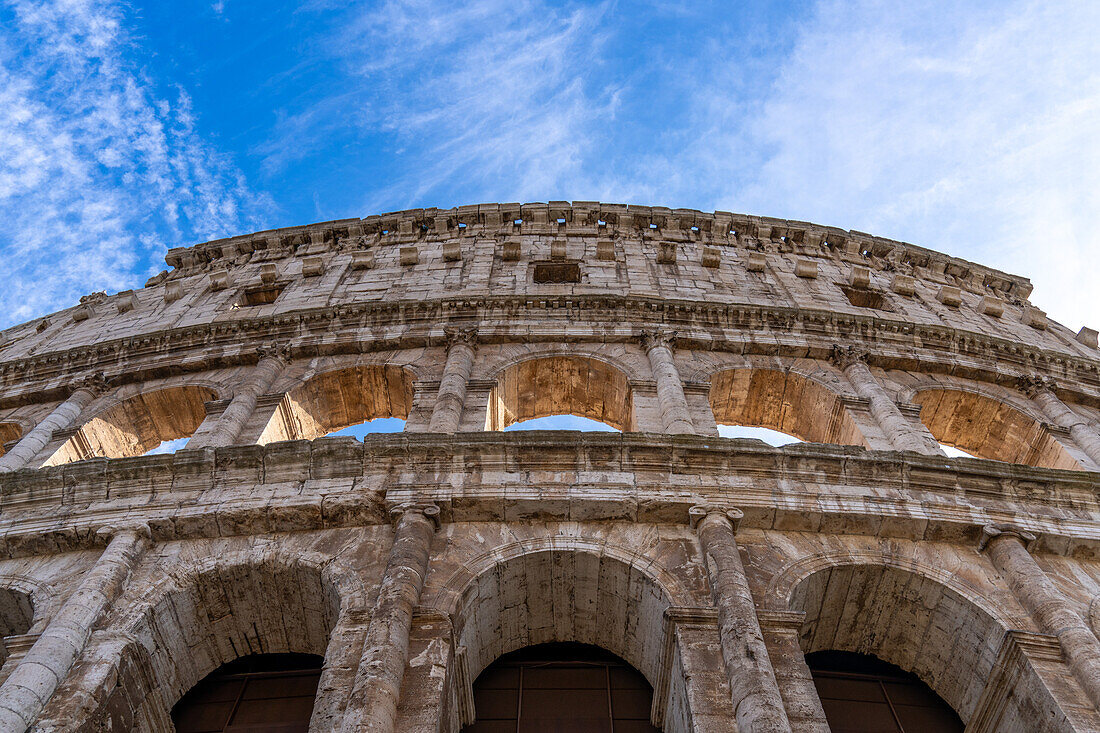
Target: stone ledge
893	344
566	476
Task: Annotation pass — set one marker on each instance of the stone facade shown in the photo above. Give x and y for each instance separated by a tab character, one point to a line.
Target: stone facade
412	561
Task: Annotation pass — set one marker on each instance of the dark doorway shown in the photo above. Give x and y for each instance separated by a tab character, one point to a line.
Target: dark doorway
262	693
863	694
561	688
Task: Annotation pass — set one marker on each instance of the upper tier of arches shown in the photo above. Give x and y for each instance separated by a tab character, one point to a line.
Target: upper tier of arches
813	400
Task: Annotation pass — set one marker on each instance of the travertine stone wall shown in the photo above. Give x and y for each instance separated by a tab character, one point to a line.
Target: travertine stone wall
412	561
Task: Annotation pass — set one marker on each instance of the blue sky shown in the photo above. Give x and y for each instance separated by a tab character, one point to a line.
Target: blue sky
129	128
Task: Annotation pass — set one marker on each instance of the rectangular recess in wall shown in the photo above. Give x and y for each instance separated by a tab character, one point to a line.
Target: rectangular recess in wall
261	295
864	298
557	272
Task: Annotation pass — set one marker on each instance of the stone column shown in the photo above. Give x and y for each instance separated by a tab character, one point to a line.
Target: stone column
225	432
451	397
48	662
1008	549
757	702
675	417
342	657
1041	390
901	433
373	702
63	417
431	662
796	684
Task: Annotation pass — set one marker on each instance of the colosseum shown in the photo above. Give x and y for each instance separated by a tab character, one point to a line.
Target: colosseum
461	576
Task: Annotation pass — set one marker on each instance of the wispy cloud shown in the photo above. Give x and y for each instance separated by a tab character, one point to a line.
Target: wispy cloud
495	92
99	173
970	128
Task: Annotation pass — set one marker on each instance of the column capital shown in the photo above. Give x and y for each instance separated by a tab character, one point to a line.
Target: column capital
845	356
428	508
457	335
109	532
1033	384
700	512
274	350
652	338
96	384
773	620
991	532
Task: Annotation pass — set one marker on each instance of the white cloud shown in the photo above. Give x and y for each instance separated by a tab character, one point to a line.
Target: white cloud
98	174
970	129
491	93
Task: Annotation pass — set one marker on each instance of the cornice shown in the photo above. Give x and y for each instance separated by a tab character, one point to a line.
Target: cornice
700	325
337	482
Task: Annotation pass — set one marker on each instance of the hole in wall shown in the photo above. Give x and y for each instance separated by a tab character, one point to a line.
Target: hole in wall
261	296
863	298
557	272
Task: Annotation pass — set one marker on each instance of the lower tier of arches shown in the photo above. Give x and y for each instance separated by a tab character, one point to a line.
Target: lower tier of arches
626	620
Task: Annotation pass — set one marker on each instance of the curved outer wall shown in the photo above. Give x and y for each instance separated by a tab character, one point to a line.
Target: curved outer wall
412	561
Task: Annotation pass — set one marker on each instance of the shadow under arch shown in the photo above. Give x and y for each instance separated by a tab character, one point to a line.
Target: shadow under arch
990	428
10	432
137	424
948	639
525	689
205	614
337	399
568	590
784	401
19	612
560	385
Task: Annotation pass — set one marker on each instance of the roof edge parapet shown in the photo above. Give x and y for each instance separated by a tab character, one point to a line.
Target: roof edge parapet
799	237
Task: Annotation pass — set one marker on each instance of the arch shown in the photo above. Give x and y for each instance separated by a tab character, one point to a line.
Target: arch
30	602
990	428
566	589
336	399
908	618
785	401
9	433
136	425
204	614
560	385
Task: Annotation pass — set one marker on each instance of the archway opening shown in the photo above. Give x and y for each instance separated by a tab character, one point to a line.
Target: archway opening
773	438
561	687
10	433
784	402
582	596
863	694
138	425
16	618
197	623
562	422
560	386
377	426
259	692
920	625
987	428
335	401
